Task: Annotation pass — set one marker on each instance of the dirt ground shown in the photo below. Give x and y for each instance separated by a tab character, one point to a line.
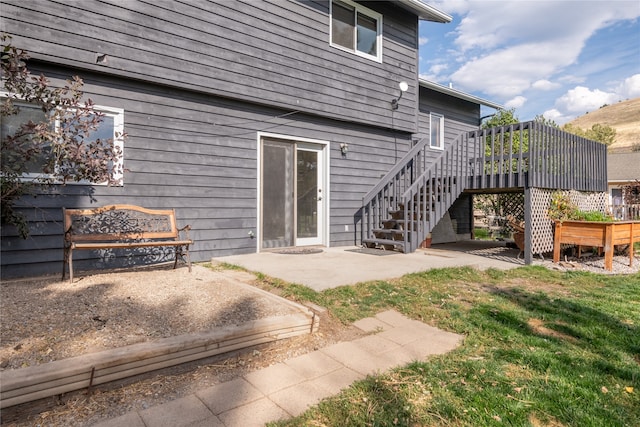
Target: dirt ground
46	320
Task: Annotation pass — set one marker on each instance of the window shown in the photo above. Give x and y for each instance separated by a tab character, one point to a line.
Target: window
111	127
436	125
11	124
356	29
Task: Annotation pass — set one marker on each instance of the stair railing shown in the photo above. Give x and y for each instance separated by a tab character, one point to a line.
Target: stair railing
433	192
386	195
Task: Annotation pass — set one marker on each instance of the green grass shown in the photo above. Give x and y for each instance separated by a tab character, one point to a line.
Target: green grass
481	234
541	348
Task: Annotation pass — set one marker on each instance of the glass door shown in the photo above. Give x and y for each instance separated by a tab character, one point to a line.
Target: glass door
292	194
277	191
309	208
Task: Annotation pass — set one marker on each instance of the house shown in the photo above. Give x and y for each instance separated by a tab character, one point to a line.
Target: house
268	124
623	176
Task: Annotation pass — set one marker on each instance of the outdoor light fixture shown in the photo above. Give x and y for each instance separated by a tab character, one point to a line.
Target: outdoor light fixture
403	88
344	148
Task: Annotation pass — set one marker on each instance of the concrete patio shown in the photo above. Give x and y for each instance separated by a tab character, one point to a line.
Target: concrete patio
333	267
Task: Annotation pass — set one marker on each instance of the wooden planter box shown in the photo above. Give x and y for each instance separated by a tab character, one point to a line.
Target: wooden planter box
599	234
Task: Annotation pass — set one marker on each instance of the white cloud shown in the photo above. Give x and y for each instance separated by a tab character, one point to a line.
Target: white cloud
571	79
516	102
581	100
630	87
557	116
435	72
438	68
508	47
545	85
422	41
506	73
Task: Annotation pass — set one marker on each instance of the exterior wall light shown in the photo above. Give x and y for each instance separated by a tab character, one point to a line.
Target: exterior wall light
403	88
344	148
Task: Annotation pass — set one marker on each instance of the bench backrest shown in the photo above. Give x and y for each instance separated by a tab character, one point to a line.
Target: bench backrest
119	222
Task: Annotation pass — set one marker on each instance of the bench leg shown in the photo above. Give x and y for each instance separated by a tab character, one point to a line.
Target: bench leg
64	262
70	266
180	253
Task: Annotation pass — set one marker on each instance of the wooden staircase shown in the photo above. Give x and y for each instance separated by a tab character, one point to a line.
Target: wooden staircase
406	205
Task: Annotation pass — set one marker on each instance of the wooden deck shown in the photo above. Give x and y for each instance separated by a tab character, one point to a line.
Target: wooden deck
509	158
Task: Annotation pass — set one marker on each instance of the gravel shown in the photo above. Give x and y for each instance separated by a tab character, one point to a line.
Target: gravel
47	320
594	264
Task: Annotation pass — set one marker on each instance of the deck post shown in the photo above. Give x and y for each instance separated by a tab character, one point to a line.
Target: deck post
528	254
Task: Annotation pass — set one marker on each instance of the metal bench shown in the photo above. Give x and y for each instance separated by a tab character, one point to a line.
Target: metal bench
122	226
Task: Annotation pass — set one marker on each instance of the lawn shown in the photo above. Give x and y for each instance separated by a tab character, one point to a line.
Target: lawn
541	348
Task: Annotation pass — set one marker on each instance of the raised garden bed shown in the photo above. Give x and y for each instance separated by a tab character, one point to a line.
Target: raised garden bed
604	235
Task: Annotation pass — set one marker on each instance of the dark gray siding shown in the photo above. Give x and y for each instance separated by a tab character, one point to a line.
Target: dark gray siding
275	52
197	153
460	116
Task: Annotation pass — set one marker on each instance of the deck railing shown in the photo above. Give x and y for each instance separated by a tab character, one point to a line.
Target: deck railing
520	155
625	212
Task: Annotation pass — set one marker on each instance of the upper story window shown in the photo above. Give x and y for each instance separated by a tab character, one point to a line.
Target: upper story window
436	126
356	29
110	128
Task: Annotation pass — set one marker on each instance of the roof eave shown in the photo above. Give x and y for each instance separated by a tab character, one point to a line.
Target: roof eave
425	11
459	94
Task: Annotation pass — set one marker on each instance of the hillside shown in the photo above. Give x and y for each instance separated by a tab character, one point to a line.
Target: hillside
623	116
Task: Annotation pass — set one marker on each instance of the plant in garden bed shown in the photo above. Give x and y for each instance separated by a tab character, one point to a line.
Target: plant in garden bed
563	209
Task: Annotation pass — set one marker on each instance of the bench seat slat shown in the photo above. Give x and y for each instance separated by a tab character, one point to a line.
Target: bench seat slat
106	245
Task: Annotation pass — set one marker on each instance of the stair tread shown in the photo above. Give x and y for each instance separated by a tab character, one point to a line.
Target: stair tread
384	241
388	230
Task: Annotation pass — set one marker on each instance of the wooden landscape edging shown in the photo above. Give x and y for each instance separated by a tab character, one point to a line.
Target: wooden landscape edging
62	376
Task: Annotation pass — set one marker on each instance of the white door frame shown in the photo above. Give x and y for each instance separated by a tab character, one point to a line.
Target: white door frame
324	184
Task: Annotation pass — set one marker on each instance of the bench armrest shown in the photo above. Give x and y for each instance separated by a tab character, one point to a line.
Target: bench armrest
186	229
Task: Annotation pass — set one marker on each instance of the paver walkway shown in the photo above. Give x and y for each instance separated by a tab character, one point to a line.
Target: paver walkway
289	388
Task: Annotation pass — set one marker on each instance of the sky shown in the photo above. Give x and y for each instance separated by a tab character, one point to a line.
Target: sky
557	58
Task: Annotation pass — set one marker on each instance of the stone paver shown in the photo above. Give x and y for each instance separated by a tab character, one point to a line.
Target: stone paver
336	381
313	365
393	318
256	413
131	419
211	421
291	387
296	400
371	324
357	358
375	344
231	394
401	336
274	378
177	413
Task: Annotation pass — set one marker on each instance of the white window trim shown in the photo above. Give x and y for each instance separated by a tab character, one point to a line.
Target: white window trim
439	117
118	127
365	11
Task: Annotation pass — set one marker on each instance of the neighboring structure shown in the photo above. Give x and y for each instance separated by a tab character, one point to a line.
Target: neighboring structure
623	169
623	181
265	124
